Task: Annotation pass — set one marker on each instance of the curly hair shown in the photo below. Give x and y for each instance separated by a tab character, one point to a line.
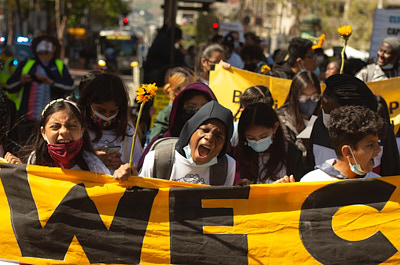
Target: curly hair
348	125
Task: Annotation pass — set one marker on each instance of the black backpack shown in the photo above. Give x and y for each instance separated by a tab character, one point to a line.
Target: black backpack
164	157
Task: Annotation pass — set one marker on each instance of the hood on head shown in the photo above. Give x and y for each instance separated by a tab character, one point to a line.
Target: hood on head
177	105
211	110
349	90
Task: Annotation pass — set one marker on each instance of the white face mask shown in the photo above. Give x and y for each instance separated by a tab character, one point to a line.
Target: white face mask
325	118
104	117
188	154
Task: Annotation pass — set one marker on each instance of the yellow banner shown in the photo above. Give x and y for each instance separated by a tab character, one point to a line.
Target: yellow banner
55	216
228	85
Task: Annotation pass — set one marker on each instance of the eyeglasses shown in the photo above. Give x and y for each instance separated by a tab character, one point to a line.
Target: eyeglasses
212	62
304	98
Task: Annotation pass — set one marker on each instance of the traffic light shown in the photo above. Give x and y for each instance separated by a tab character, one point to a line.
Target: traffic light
215	26
125	21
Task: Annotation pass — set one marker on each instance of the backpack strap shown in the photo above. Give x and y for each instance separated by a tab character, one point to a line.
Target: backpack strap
219	171
164	155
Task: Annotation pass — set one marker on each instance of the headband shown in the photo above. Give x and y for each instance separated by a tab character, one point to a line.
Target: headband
60	100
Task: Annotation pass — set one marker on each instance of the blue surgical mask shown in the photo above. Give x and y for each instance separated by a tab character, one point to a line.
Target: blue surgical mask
317	71
261	145
387	66
357	167
308	107
188	154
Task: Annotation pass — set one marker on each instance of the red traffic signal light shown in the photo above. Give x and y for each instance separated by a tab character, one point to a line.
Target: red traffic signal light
215	25
126	21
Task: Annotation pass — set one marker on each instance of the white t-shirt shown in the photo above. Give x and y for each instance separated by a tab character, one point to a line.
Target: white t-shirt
183	171
108	138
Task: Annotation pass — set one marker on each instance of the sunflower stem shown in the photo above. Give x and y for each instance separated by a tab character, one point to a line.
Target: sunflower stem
134	135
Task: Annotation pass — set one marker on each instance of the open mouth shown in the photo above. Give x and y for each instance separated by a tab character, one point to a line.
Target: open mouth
203	151
371	161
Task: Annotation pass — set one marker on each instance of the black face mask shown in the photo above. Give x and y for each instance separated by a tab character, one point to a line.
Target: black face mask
250	67
187	114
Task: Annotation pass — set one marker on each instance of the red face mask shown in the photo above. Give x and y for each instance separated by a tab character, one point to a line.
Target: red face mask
64	154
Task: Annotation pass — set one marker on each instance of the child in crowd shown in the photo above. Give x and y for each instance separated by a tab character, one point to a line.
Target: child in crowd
185	105
61	140
354	133
263	154
201	146
179	78
250	95
105	103
344	90
303	101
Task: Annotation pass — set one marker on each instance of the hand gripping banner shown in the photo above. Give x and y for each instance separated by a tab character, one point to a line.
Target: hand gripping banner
56	216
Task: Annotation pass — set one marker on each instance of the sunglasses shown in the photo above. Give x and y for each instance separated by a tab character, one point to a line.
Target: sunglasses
43	52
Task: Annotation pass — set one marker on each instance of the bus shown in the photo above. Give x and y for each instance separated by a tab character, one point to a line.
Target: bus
117	50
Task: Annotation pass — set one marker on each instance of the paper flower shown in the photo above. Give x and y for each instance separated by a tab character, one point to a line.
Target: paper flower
345	32
321	41
146	92
265	69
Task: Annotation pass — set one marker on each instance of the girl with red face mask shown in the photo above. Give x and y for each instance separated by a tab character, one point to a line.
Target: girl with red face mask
61	140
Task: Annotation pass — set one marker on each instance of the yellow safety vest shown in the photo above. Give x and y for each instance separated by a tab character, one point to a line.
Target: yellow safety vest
17	96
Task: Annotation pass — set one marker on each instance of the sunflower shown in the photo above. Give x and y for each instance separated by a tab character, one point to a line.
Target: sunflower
265	69
345	31
146	92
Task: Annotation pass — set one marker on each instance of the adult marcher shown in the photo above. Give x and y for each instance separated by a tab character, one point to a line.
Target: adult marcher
38	81
302	102
262	154
333	68
301	58
201	147
354	132
8	67
105	103
158	58
387	64
253	58
179	79
344	90
206	61
232	57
